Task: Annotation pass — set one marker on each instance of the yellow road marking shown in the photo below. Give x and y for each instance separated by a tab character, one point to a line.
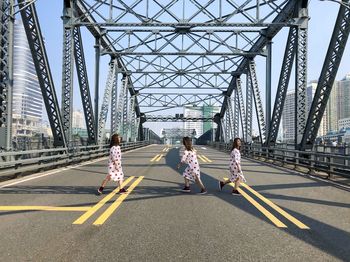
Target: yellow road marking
42	208
270	216
202	159
103	201
159	157
164	149
277	208
116	204
207	158
154	158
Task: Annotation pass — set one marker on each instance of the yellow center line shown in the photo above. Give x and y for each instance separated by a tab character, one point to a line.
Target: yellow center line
207	158
42	208
202	159
103	201
159	157
105	215
154	158
270	216
277	208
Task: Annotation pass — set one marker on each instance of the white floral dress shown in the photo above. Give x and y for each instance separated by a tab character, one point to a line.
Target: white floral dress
115	164
189	157
235	166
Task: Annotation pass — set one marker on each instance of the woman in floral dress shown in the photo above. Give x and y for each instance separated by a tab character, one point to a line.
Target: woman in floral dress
235	168
115	170
192	172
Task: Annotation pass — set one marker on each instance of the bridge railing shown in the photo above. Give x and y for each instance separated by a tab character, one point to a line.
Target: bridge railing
17	162
331	160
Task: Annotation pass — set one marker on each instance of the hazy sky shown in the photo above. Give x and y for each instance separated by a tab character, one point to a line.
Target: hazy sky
322	18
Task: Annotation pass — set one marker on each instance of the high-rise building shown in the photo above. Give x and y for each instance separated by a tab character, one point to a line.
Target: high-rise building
209	112
288	116
344	97
193	111
310	93
27	97
333	109
78	119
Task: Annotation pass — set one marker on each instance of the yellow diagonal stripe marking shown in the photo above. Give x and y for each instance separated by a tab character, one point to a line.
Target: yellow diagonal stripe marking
159	157
202	159
42	208
116	204
164	149
207	158
277	208
270	216
154	158
96	207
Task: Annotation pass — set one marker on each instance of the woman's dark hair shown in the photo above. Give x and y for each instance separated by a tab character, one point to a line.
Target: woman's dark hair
114	140
187	143
235	143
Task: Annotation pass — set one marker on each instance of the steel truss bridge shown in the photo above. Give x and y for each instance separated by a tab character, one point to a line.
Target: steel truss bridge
171	54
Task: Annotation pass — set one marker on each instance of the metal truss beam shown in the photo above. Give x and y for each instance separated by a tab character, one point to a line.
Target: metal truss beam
120	113
182	64
84	15
84	85
147	13
328	73
6	73
249	109
149	81
229	116
282	19
281	93
114	108
67	73
236	115
301	78
106	99
177	100
239	95
37	47
125	124
4	56
257	101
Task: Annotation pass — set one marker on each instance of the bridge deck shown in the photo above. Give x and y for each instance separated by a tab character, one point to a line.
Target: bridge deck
58	217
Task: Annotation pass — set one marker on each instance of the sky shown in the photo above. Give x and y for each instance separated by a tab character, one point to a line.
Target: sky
322	18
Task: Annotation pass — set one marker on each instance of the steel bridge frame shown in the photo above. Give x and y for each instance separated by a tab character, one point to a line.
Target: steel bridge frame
156	48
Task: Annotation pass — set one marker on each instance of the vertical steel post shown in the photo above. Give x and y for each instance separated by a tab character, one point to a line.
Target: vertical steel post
268	86
97	79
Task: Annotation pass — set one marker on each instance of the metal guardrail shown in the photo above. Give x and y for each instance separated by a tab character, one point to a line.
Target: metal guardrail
15	162
328	162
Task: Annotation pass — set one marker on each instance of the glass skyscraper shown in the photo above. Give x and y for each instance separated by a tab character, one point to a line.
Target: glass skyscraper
27	97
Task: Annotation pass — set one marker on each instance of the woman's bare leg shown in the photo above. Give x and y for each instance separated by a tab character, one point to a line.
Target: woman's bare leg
187	182
105	181
199	182
237	183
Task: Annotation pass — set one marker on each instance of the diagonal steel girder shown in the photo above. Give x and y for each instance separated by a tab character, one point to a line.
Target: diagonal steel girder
281	93
84	85
283	18
329	70
84	16
257	101
37	47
